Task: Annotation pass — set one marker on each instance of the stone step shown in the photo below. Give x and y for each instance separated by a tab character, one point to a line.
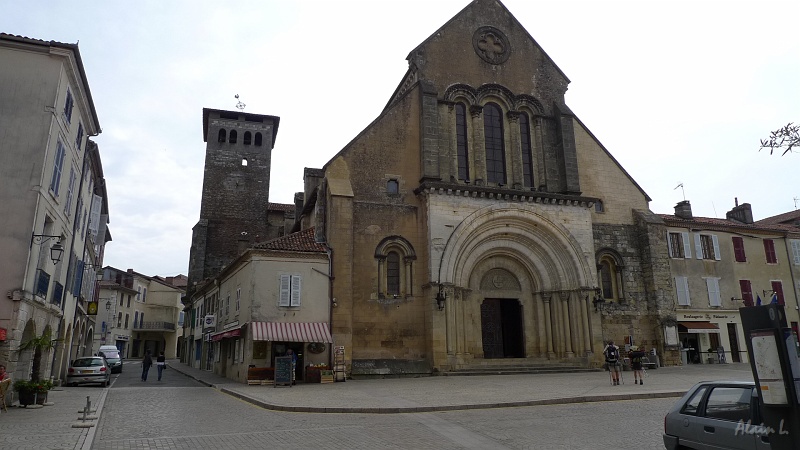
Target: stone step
504	371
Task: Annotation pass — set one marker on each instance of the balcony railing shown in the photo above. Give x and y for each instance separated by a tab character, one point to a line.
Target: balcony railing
154	326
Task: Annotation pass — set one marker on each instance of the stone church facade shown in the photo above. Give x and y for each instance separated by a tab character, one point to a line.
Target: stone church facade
477	221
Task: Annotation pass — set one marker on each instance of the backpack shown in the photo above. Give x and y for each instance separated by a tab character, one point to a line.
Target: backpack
612	354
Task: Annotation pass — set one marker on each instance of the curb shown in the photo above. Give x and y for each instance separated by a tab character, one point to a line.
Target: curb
424	409
462	407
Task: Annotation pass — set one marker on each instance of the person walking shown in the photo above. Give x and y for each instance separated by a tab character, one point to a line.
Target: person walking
147	361
161	364
3	374
611	353
636	356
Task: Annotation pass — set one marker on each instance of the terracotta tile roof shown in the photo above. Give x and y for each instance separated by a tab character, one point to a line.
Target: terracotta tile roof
302	241
791	216
712	222
280	207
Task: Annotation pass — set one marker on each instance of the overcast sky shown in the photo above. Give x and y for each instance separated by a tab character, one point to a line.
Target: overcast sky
678	92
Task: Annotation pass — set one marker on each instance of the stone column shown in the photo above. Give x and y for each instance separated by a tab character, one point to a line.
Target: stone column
548	320
478	145
452	325
586	321
515	177
537	139
567	334
576	323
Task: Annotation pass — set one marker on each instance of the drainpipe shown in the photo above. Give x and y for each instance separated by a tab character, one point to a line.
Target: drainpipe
331	300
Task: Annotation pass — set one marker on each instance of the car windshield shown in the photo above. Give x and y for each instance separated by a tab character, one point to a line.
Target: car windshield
111	354
89	362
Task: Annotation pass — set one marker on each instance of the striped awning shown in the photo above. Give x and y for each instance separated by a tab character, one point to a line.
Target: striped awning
291	332
226	334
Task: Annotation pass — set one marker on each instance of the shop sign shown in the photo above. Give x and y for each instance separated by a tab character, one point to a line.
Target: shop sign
695	317
209	321
120	337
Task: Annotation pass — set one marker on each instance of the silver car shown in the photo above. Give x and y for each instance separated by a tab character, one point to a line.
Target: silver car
717	415
89	369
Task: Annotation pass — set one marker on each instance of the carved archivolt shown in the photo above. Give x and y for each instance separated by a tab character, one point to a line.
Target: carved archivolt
478	96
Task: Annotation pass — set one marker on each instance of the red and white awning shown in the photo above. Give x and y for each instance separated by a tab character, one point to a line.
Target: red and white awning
220	335
291	332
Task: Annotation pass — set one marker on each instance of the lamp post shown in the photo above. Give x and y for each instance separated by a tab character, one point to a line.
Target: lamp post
56	251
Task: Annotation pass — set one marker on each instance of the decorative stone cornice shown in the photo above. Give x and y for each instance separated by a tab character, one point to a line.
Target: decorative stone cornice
505	194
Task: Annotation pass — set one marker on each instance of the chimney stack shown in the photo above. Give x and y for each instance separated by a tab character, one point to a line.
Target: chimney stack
684	210
740	213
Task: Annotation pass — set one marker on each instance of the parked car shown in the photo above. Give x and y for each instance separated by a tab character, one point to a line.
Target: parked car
89	369
719	415
113	358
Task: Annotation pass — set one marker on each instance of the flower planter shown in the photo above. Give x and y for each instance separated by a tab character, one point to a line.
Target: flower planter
27	397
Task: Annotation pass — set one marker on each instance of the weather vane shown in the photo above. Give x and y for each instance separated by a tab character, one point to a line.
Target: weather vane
239	105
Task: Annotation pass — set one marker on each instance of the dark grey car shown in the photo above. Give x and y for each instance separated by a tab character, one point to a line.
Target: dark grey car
716	415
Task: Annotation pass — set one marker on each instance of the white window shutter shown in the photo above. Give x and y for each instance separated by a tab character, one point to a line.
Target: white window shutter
687	247
669	245
285	290
796	251
682	289
698	246
715	241
94	214
713	292
296	290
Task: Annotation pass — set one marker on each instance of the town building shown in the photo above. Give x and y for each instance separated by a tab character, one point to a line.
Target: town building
721	265
137	313
53	203
272	298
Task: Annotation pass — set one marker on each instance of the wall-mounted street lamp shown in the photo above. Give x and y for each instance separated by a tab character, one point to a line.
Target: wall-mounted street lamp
441	297
598	300
56	251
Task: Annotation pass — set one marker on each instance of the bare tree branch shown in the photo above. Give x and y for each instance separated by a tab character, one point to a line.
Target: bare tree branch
787	138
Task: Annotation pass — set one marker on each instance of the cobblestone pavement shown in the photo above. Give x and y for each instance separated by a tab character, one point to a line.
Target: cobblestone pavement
49	427
204	418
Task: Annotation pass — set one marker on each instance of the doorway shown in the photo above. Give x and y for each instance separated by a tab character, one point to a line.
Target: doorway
733	340
501	328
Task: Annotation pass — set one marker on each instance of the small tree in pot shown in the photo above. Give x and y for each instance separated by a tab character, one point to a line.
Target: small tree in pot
29	390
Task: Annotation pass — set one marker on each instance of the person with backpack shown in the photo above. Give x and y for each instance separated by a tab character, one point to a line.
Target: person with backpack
636	356
611	353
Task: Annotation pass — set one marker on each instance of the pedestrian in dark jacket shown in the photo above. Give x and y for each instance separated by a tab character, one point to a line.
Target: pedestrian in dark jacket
147	361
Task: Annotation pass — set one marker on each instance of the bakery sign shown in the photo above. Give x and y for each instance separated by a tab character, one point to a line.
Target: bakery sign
695	317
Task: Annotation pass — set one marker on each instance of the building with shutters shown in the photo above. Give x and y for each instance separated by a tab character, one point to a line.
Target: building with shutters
720	265
53	203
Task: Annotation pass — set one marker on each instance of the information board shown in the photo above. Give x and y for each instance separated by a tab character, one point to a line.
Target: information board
283	371
768	367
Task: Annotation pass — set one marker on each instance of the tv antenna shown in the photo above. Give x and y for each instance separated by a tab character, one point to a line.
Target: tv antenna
795	202
239	105
682	191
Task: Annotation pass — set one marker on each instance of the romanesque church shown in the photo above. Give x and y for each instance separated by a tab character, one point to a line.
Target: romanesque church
478	221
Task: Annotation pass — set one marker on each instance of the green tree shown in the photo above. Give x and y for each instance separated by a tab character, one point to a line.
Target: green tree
785	138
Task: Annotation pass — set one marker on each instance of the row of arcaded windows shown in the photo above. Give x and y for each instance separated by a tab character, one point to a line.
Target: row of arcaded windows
494	142
223	136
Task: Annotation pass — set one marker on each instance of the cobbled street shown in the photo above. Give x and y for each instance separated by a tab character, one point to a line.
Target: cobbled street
180	413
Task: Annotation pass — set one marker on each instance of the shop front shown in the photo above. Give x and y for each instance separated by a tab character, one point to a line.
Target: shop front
309	343
711	337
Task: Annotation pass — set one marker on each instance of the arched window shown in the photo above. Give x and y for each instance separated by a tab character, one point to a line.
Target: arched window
258	140
221	136
461	142
247	138
395	260
527	150
232	138
609	267
495	151
393	274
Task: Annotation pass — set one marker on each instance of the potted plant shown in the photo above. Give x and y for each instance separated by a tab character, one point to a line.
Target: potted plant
35	390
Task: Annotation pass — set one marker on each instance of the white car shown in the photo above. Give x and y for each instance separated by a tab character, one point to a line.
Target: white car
89	369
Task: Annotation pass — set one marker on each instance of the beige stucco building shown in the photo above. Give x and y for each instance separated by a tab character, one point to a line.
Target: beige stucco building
137	313
272	298
52	197
720	265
